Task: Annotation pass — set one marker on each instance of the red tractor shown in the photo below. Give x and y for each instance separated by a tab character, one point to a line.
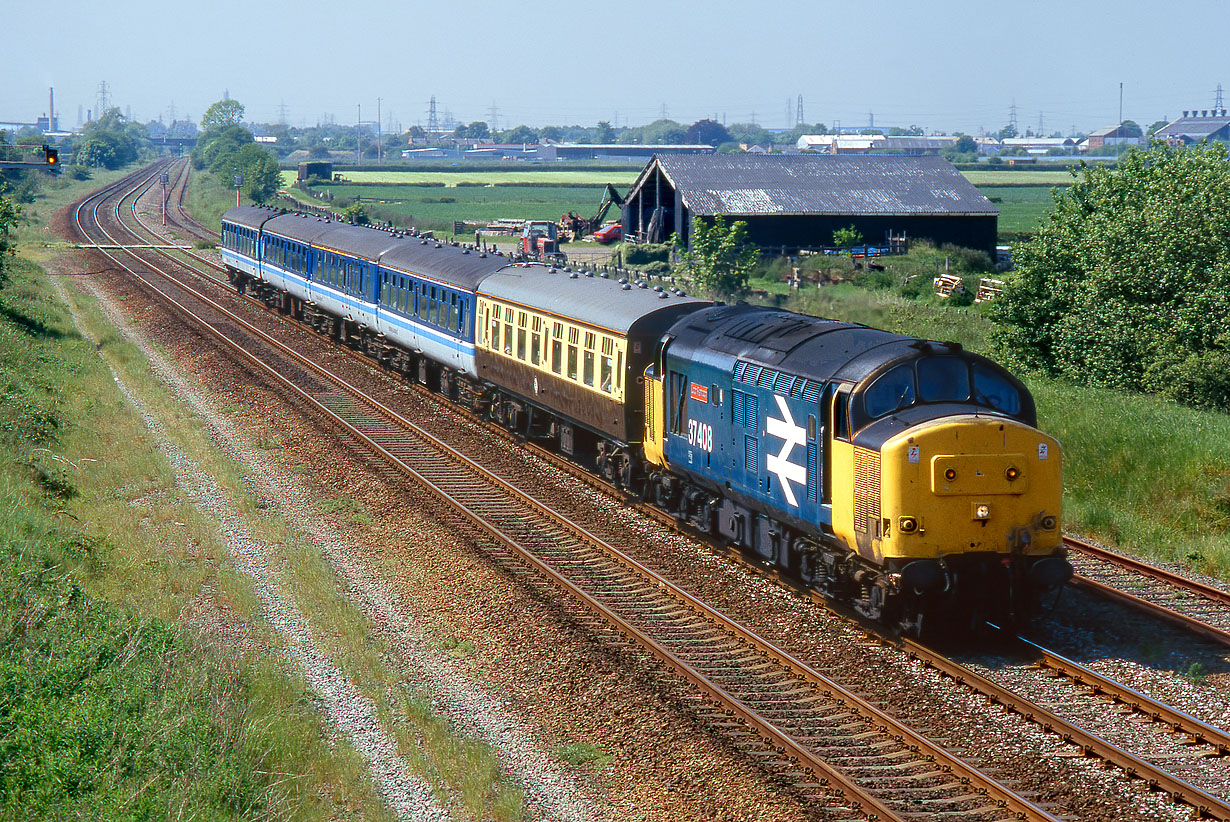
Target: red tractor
540	241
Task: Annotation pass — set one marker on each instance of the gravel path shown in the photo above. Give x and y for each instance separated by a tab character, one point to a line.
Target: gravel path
353	715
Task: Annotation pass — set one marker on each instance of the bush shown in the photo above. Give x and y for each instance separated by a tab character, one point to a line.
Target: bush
645	253
1127	282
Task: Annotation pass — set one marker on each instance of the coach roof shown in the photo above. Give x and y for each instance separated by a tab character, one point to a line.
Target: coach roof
591	300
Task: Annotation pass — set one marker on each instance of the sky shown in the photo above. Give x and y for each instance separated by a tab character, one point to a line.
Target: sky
941	65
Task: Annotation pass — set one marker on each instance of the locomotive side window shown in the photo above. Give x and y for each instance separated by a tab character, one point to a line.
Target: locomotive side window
891	391
993	389
943	379
679	403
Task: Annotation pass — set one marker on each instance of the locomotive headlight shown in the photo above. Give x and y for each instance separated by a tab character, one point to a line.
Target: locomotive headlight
1049	523
907	525
950	474
982	511
1012	473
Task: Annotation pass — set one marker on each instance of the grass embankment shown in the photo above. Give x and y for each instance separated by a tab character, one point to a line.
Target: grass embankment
1140	472
209	197
116	705
141	679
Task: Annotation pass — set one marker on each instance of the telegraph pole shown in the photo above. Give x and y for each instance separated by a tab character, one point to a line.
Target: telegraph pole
379	140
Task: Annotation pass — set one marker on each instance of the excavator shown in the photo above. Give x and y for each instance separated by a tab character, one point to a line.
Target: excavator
574	228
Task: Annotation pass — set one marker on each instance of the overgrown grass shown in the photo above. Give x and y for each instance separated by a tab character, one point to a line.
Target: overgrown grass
209	197
583	753
116	704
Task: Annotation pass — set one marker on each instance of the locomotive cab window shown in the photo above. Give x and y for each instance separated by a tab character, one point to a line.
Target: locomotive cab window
891	391
992	389
943	379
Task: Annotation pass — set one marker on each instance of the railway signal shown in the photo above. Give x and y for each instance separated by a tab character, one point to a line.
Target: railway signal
51	155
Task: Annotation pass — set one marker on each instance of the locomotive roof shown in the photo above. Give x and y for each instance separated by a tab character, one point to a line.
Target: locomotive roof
413	255
793	343
596	301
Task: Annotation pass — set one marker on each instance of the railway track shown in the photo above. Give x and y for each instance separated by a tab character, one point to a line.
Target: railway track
772	704
1186	603
827	742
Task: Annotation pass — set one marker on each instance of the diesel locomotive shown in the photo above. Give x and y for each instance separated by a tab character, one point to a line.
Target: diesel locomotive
904	476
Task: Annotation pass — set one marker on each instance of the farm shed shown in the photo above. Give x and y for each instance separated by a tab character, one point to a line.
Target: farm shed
797	201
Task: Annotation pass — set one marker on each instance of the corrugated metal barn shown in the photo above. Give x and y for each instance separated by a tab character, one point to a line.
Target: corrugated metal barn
794	201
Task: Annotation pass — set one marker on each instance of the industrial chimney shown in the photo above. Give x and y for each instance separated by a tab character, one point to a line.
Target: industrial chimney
52	125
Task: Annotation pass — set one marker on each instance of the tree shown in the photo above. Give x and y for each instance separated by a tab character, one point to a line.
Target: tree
520	134
215	145
720	259
1127	282
1155	126
706	133
1131	128
1007	132
965	144
604	133
10	214
553	133
847	237
222	114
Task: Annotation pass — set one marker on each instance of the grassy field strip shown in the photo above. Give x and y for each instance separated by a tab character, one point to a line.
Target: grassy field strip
214	522
338	639
1020	178
138	682
578	177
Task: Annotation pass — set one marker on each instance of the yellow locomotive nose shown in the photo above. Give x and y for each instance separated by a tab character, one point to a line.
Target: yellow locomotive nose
969	484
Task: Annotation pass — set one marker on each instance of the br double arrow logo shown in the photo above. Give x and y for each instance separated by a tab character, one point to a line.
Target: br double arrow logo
780	464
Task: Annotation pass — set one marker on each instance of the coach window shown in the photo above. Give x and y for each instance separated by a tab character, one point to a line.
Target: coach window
536	341
608	366
494	342
522	322
557	347
508	331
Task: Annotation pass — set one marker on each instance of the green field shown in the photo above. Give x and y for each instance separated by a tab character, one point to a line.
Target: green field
579	177
415	198
1020	178
437	207
1021	208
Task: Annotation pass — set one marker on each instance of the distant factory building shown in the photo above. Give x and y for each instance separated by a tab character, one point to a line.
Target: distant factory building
623	151
1196	126
873	144
797	201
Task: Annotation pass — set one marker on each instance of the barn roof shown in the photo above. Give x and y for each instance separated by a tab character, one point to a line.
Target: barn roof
793	184
1193	128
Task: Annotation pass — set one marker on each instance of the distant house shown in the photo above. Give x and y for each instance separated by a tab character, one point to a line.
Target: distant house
798	200
1111	136
1196	126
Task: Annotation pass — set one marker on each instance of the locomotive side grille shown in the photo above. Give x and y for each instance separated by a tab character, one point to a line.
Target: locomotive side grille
866	488
649	409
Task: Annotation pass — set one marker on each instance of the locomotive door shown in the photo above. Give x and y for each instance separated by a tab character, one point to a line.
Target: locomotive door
837	488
